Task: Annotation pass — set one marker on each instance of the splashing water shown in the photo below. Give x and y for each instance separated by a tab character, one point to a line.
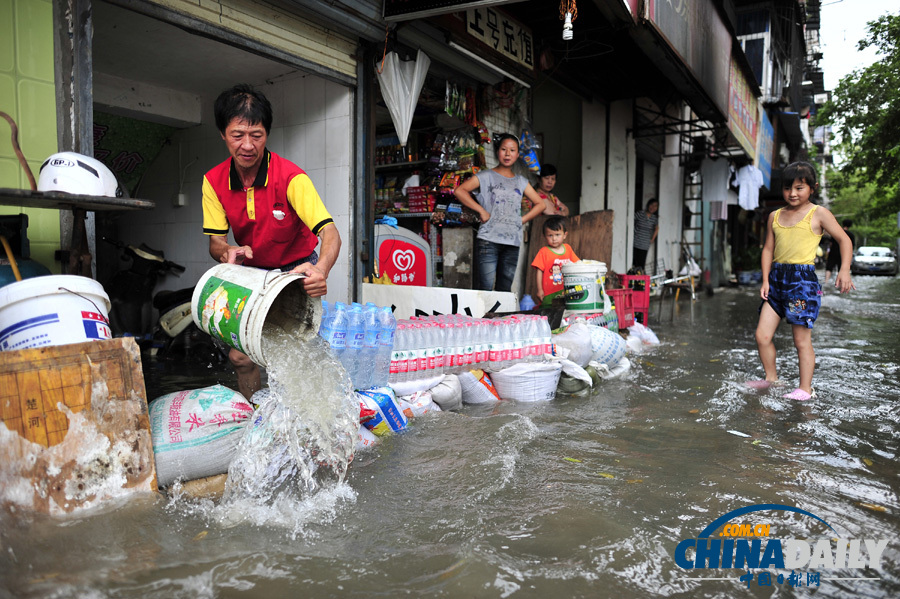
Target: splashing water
303	434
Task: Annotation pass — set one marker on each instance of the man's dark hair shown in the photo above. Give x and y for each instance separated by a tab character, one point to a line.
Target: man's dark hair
847	223
245	103
555	223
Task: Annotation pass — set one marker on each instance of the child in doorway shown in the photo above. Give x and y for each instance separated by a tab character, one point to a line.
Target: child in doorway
790	288
499	205
550	259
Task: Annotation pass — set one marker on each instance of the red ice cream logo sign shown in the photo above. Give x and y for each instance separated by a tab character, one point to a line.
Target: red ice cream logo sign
403	262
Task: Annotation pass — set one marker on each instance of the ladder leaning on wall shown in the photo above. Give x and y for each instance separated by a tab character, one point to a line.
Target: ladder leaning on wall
692	225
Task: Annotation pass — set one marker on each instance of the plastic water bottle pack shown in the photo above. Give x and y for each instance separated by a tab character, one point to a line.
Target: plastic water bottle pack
450	344
362	338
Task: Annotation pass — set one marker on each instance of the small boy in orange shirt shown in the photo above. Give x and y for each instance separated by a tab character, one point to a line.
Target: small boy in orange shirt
551	258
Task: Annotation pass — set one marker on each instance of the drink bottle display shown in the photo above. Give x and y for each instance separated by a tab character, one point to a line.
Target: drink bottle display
399	364
366	368
413	349
338	330
356	331
387	326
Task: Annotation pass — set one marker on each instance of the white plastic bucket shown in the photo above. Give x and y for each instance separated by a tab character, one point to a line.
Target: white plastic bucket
52	310
583	283
232	303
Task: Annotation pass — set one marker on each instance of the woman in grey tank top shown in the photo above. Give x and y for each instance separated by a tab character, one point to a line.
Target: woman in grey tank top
499	205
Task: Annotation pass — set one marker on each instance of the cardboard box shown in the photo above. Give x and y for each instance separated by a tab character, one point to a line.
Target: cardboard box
77	429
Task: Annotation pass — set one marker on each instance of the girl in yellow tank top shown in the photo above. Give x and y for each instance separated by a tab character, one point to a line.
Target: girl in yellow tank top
790	288
795	244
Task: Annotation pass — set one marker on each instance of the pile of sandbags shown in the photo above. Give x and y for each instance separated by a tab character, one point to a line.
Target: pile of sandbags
196	432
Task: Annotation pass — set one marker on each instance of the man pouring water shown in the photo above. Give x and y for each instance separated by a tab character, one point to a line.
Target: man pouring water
269	203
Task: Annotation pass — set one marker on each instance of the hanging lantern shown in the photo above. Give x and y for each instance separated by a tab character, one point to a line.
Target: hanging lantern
568	12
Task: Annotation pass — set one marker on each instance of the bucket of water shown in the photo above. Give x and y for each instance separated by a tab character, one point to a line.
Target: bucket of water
52	310
237	303
583	283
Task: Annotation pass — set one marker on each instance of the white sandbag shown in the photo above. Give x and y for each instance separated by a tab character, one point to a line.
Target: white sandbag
634	345
418	404
410	387
528	381
478	387
383	400
448	393
365	439
609	347
647	336
577	339
196	432
620	368
575	371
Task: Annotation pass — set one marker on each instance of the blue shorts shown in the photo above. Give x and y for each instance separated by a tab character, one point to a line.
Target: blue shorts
794	293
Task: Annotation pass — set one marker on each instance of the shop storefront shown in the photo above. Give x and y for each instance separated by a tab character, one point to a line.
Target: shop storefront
425	146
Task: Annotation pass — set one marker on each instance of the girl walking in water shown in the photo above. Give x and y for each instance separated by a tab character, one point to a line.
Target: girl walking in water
790	288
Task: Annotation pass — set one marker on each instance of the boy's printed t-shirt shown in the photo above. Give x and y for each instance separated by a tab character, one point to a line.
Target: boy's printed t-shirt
551	263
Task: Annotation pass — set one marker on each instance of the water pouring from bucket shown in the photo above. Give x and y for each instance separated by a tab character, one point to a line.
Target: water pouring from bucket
304	431
233	304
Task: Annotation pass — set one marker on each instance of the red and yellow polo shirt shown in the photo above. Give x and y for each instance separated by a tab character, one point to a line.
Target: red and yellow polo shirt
279	217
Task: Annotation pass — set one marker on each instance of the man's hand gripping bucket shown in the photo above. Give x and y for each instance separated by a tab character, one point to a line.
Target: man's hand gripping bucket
236	303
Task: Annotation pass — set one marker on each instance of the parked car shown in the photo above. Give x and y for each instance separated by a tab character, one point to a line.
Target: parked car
874	260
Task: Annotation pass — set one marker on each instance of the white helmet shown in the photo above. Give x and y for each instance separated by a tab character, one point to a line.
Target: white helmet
78	174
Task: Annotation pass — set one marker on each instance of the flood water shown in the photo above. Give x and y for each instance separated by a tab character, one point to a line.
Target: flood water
578	497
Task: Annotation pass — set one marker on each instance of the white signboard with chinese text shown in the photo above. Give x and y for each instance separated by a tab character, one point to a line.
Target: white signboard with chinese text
502	33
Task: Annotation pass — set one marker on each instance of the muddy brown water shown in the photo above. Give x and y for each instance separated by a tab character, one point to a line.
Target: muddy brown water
578	497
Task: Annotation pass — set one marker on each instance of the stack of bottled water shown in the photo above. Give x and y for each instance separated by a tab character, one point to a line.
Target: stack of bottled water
433	345
362	337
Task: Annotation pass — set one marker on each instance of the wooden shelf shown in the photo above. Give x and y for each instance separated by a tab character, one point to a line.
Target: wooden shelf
58	200
401	166
407	214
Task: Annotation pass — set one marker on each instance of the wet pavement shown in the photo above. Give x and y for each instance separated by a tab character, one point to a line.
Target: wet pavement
578	497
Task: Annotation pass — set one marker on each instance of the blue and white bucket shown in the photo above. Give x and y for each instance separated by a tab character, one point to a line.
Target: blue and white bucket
52	310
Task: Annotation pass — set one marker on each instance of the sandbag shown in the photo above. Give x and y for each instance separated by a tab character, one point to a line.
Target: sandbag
410	387
365	439
577	339
196	432
644	333
477	387
575	379
571	385
418	404
447	394
390	418
528	381
607	371
609	347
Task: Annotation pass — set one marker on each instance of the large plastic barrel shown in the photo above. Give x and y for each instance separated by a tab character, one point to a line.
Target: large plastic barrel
52	310
584	285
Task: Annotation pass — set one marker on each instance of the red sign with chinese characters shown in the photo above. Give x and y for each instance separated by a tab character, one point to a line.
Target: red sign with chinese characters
403	262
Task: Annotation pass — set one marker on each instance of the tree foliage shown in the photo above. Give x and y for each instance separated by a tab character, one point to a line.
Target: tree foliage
865	111
856	197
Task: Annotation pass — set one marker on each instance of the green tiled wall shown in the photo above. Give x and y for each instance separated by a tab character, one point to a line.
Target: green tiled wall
27	93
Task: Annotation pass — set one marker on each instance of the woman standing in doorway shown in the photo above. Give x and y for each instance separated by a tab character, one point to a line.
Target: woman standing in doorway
546	183
499	205
646	228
